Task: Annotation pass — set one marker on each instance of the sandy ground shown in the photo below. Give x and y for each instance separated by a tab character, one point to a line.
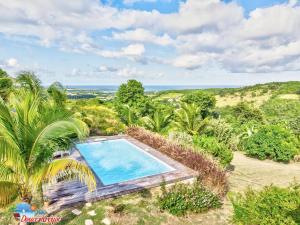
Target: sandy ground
254	173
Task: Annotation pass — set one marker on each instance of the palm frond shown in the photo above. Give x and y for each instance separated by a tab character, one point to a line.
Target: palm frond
8	192
58	130
64	169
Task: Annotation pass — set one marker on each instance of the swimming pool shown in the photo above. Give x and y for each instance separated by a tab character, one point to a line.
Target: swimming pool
116	161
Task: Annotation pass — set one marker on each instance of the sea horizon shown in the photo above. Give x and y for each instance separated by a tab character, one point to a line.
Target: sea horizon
148	88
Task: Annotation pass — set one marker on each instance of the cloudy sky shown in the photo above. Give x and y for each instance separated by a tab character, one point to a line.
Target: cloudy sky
175	42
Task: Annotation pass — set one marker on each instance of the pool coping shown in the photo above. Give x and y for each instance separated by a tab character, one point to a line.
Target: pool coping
69	193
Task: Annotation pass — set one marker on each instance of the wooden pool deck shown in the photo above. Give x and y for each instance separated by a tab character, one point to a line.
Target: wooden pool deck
70	193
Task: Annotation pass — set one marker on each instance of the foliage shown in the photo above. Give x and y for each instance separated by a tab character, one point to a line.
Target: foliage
210	173
272	205
245	113
128	115
31	129
101	120
220	129
6	85
188	118
158	122
181	199
204	100
132	95
58	93
217	149
272	141
29	81
283	111
181	138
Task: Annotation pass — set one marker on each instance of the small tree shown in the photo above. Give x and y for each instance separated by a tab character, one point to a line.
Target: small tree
132	95
202	99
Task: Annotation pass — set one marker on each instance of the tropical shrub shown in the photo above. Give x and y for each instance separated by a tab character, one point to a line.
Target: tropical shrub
181	138
101	120
273	142
158	122
272	205
204	100
245	113
215	148
277	109
220	129
210	173
182	198
188	119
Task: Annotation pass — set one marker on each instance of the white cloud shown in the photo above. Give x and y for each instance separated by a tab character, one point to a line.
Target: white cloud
130	2
206	32
130	72
143	35
133	51
12	62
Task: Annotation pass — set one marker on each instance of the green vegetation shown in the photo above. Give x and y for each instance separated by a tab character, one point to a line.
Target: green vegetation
31	129
194	127
101	119
158	122
272	205
273	142
181	199
6	85
188	119
205	101
215	148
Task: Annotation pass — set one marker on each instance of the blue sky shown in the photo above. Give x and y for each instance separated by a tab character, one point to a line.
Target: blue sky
170	42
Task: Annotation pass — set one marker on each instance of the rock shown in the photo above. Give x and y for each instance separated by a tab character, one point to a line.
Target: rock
88	222
88	204
106	221
76	212
92	213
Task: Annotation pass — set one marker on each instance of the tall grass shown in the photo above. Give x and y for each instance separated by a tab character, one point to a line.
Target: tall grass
210	173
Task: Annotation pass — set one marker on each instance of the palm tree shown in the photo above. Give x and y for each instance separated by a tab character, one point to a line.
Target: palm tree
129	115
30	131
188	119
6	85
29	81
58	94
158	122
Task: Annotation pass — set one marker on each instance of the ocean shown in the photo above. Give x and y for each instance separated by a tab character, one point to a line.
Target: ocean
148	88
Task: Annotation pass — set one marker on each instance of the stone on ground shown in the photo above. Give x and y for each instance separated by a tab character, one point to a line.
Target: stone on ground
88	204
92	213
106	221
88	222
76	212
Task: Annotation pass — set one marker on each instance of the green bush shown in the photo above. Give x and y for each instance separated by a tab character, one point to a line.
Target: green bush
273	142
217	149
271	206
182	198
245	113
204	100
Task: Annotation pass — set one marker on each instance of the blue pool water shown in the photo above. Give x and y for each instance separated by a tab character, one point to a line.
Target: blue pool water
116	161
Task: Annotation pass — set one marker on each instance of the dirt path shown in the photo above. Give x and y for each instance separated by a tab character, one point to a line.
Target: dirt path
256	174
